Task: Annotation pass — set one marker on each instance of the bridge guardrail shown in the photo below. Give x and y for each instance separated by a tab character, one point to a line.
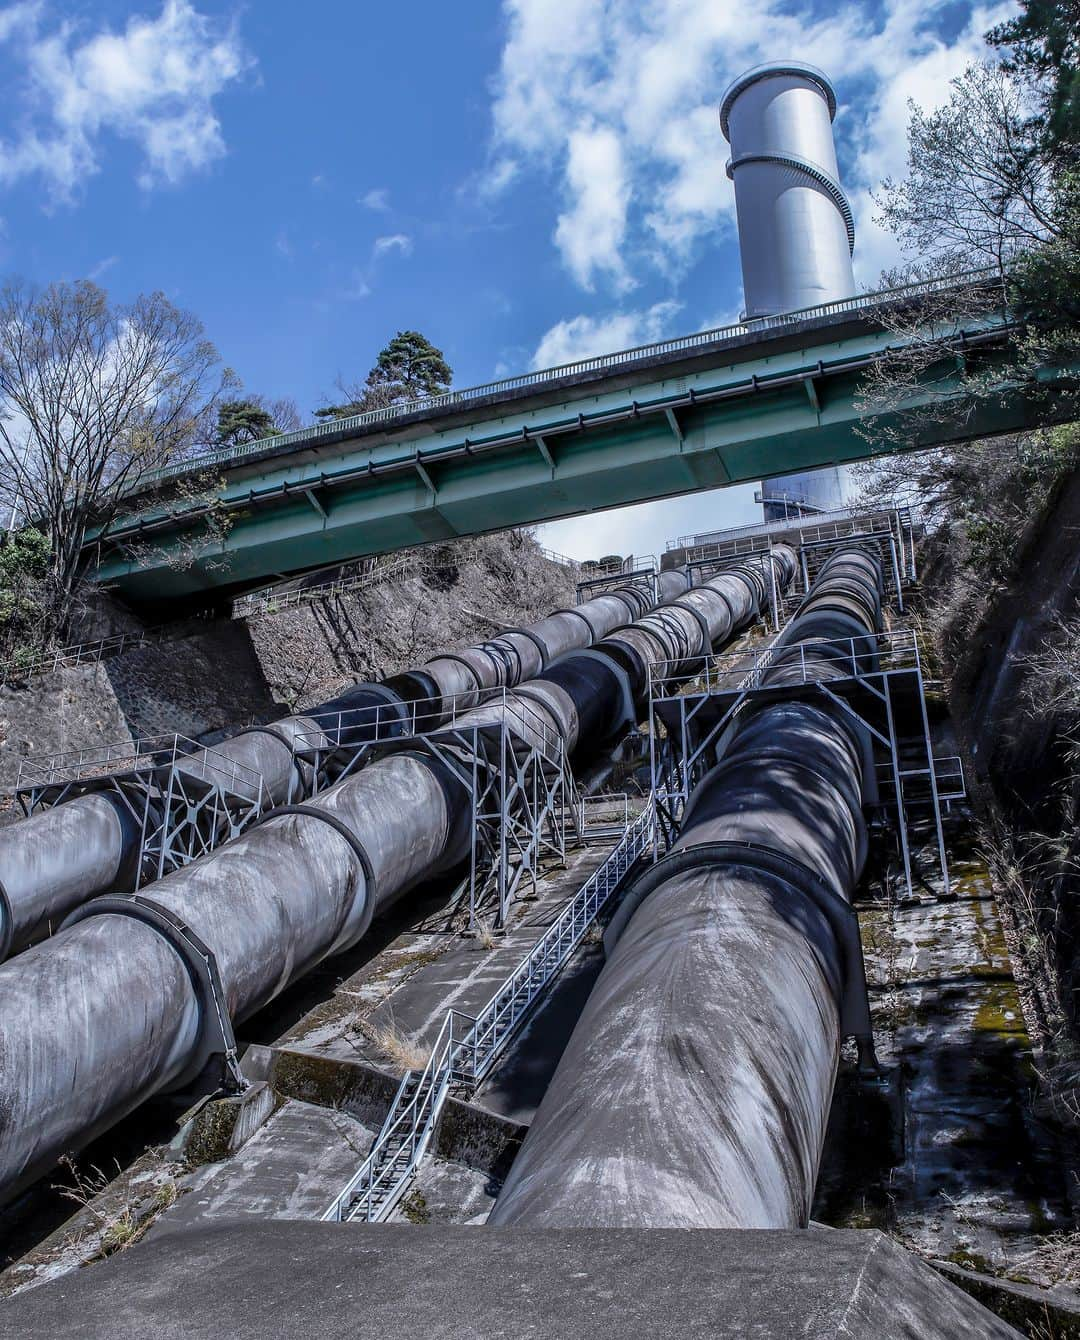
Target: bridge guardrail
450	398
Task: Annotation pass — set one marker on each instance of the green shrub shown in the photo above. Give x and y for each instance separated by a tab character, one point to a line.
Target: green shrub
24	567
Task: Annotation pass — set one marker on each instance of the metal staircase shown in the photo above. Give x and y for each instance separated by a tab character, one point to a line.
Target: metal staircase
468	1047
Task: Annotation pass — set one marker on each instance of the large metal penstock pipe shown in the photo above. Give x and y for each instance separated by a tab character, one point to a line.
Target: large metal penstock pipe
117	1007
696	1086
112	1009
48	860
88	845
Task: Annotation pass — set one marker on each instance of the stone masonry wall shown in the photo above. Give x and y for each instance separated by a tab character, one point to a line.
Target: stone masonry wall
226	675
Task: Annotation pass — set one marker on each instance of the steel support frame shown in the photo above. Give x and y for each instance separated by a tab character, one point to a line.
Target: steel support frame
523	797
522	801
881	539
647	577
707	568
180	816
682	756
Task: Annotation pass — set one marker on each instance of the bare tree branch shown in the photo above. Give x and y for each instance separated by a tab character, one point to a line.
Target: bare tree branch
93	396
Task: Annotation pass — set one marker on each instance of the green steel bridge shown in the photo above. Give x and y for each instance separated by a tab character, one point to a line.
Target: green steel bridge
700	412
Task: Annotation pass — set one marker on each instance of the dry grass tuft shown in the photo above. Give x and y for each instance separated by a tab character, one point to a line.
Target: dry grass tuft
1056	1260
115	1227
399	1047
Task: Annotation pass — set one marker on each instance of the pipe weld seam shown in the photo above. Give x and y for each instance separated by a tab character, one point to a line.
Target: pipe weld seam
216	1036
853	1004
703	624
456	656
506	655
290	745
635	601
343	830
538	643
582	617
627	714
338	723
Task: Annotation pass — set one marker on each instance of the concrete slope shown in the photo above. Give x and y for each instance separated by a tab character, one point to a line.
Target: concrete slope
345	1280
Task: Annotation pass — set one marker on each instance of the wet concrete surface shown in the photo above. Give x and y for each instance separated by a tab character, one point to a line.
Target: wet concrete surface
945	1151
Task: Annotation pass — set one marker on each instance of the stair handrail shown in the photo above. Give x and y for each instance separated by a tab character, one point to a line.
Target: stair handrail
462	1060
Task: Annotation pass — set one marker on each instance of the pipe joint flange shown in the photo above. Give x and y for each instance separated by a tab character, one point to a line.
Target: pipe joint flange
507	657
299	763
338	723
634	600
854	1002
343	830
575	611
703	623
455	656
627	712
7	924
538	643
216	1039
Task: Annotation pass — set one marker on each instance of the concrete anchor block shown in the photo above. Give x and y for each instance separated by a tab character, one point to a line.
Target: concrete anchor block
222	1126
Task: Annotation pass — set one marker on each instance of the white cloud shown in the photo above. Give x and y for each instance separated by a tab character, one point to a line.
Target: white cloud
102	268
619	100
499	177
153	84
377	199
590	233
649	524
356	288
586	336
399	242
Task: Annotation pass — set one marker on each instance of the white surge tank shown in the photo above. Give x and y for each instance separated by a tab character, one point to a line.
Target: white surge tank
796	231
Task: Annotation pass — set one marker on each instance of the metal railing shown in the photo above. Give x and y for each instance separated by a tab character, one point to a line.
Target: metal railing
467	1048
147	753
604	814
563	559
835	517
274	602
83	653
860	657
431	716
915	781
449	399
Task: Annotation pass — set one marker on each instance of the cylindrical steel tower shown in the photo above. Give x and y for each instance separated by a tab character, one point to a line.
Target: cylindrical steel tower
796	231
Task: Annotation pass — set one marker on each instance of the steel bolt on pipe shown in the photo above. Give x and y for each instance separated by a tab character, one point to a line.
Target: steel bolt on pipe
114	1009
695	1089
59	857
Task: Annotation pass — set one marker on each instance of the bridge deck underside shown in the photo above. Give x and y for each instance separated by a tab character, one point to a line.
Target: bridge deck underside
582	449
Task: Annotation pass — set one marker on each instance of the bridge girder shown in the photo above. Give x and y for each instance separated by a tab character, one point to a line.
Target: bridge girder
766	407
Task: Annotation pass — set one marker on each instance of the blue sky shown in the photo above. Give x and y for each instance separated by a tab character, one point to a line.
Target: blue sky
526	181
